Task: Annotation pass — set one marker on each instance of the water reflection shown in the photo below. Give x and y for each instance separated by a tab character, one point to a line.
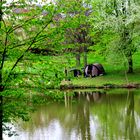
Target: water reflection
131	130
89	115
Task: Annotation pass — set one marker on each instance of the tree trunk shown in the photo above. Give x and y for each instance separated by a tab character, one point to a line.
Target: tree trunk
1	13
1	86
115	8
85	56
78	62
130	64
1	107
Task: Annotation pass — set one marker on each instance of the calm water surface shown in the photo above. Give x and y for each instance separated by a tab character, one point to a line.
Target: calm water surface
84	115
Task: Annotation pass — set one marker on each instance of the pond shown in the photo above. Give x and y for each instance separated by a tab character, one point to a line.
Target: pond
84	115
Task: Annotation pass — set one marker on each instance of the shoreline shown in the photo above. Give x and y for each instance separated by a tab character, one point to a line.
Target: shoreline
105	86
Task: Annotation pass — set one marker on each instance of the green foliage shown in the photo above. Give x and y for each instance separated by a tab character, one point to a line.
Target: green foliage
59	28
114	28
109	29
22	30
15	106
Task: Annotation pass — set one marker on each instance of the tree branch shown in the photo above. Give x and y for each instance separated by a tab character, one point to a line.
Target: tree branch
20	25
33	41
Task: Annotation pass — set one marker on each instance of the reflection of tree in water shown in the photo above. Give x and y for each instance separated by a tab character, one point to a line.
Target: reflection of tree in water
83	119
117	116
73	117
131	130
81	122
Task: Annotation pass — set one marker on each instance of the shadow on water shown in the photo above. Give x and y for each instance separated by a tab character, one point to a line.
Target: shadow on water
83	115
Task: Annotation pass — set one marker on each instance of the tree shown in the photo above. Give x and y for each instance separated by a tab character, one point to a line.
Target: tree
76	28
22	26
117	20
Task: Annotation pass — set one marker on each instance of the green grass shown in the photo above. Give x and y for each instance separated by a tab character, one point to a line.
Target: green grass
46	66
110	79
116	73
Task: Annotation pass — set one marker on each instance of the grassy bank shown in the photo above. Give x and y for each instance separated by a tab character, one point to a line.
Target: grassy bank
116	75
107	80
